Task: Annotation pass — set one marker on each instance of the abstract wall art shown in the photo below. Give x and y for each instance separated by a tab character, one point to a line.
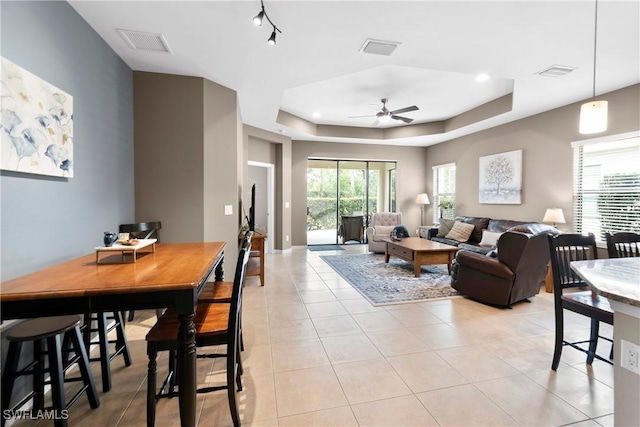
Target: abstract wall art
501	178
36	124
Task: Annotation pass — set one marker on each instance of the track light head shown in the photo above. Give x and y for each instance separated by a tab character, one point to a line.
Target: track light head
272	39
257	20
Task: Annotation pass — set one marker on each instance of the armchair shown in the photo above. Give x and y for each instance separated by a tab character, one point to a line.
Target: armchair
380	229
516	273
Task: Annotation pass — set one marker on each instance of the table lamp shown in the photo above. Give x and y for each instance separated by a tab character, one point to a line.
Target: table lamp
554	215
422	199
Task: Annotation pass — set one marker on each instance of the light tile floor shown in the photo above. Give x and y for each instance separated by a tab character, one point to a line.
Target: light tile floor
318	354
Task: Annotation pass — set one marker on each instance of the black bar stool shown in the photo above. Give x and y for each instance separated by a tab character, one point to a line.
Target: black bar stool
46	333
103	329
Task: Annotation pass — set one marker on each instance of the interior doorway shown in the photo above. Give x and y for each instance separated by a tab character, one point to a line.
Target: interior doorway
263	176
342	195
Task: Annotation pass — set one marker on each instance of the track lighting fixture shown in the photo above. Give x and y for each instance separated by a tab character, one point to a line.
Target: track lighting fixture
258	21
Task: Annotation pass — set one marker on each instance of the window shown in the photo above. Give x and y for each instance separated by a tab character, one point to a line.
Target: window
606	185
444	191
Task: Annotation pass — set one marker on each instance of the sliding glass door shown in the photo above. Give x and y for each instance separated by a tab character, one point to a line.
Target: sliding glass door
345	193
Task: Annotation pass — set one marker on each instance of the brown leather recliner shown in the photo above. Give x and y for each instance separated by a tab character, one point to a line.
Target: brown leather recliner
516	273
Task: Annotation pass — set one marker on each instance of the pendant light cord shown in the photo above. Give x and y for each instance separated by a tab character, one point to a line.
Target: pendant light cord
595	49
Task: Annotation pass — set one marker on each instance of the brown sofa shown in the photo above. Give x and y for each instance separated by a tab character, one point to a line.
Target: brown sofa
493	225
514	275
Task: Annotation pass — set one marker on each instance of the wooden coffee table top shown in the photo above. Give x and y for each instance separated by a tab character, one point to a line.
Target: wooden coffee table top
419	244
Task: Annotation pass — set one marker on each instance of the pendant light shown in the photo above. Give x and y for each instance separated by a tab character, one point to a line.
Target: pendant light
593	114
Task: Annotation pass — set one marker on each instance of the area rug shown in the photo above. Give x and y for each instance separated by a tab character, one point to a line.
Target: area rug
325	248
392	283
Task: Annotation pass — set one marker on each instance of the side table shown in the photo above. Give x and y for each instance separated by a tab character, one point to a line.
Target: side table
255	267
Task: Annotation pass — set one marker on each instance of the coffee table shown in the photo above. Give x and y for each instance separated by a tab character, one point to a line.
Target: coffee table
420	252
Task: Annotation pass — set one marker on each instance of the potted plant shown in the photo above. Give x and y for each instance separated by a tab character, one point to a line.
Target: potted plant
447	207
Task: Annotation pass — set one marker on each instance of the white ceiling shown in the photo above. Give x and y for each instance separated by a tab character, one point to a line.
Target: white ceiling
316	65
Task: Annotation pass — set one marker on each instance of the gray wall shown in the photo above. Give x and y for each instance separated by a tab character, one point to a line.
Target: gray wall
188	162
47	220
547	158
410	177
273	148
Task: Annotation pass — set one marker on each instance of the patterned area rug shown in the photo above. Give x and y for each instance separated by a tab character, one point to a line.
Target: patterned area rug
393	283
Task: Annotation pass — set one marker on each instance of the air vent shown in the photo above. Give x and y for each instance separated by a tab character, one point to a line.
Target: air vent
556	71
145	41
379	47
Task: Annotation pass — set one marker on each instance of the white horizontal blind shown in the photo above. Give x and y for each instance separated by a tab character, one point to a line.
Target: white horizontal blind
444	189
606	187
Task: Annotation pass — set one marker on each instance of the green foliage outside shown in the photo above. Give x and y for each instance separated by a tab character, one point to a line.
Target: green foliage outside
322	210
619	203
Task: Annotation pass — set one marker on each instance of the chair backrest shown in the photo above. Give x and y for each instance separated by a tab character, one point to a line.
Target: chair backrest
238	281
623	245
142	230
387	218
565	248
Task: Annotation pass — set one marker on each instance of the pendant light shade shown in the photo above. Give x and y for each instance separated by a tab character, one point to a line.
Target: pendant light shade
594	114
593	117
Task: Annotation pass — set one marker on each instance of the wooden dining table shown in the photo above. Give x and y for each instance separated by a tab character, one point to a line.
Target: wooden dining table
172	276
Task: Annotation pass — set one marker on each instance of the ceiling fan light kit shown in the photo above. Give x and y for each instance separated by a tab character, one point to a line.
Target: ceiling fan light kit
594	114
257	20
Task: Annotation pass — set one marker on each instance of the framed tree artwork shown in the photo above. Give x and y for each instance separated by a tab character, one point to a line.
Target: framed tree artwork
501	178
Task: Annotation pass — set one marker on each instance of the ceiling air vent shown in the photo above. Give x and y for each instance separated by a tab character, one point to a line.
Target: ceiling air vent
145	41
556	71
378	47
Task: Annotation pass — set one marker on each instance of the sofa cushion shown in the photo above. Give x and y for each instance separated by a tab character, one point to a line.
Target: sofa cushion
475	248
502	225
445	226
479	223
384	229
535	228
445	241
489	238
460	231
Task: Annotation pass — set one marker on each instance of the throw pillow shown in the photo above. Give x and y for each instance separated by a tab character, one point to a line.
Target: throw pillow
460	232
489	238
384	229
445	227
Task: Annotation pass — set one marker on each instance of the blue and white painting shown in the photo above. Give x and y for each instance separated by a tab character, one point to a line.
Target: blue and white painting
501	178
36	124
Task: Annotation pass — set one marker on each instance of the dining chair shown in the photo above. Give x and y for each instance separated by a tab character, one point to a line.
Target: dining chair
142	230
565	248
221	291
215	324
623	245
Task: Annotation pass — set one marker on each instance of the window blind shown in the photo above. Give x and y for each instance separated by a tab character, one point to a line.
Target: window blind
606	187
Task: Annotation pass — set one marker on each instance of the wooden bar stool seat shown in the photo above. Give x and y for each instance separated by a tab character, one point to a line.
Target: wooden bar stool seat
47	334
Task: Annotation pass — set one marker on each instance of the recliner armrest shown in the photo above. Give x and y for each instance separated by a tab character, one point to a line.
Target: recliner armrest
432	232
483	264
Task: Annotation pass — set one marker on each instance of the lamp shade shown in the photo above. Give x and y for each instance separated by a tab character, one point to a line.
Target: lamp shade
422	199
554	215
593	117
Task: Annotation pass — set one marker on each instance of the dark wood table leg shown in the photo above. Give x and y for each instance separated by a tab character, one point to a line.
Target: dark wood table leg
187	370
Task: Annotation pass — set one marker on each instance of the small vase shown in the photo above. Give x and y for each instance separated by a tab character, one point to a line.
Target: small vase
110	238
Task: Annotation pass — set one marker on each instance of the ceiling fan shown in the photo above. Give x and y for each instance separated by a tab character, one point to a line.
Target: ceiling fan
384	115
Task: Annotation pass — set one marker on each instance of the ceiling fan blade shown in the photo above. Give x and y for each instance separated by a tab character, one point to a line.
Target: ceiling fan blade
405	110
359	117
404	119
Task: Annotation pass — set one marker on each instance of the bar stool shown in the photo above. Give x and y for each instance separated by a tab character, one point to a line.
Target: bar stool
103	329
46	334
